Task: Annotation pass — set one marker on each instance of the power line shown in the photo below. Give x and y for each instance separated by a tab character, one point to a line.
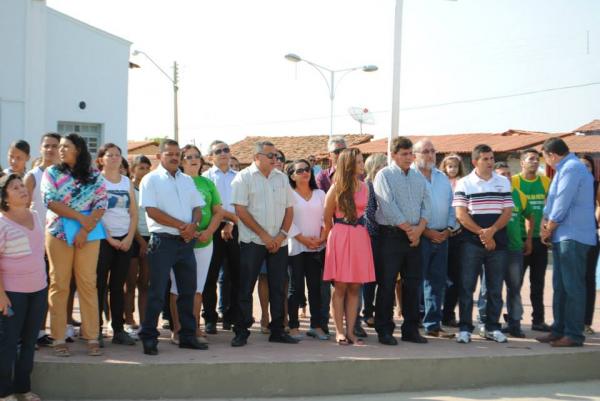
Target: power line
421	107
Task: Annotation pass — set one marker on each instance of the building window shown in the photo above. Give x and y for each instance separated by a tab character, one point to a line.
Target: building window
90	132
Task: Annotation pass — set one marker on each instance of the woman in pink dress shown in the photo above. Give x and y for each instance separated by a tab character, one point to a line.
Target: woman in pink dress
348	257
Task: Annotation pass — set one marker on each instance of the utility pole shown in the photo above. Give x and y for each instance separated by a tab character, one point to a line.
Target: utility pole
175	108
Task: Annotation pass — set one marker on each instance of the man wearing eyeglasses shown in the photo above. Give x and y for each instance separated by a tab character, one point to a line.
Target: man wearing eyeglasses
226	249
434	243
173	208
263	201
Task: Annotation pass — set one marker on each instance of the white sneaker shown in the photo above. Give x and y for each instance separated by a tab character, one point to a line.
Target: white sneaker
133	333
482	331
497	336
464	337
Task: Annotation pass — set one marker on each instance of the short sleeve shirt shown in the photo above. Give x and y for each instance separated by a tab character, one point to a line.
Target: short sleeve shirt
209	192
485	201
515	229
60	186
266	199
176	196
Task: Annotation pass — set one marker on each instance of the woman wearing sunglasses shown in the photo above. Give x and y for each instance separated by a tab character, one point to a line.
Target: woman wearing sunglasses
212	214
306	249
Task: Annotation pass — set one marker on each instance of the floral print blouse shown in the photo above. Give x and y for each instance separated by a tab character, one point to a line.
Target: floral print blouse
60	186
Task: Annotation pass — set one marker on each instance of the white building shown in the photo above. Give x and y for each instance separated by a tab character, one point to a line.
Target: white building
59	74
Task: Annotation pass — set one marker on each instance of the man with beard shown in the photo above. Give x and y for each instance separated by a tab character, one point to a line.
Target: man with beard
434	242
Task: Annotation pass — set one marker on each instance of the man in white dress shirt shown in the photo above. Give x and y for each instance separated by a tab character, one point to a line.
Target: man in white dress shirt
173	209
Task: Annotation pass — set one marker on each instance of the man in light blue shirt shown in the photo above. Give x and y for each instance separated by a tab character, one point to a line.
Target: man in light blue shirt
569	225
434	243
403	213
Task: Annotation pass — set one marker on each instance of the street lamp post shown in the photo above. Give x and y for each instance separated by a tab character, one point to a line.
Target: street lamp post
394	132
175	81
330	82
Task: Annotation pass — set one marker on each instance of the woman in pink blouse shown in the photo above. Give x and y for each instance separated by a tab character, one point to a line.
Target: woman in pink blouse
23	288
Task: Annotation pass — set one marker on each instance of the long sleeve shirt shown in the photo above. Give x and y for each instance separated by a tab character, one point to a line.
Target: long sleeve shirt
570	202
402	197
443	214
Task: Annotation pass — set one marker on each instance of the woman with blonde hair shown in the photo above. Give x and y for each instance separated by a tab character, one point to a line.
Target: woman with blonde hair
348	257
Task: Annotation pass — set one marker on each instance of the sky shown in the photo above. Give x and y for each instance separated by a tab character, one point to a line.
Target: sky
467	65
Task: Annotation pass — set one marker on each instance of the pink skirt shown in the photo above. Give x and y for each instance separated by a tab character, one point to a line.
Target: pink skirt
349	257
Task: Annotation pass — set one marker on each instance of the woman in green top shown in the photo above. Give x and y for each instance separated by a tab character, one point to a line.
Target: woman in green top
212	214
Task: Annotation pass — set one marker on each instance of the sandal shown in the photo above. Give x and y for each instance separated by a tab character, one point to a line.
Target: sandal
94	349
358	342
61	350
343	341
29	396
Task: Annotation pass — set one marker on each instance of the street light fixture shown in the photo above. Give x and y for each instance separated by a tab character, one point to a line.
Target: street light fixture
331	82
175	81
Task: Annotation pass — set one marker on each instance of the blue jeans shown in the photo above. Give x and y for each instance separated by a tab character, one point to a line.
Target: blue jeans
568	281
434	259
514	282
473	256
166	252
252	257
16	367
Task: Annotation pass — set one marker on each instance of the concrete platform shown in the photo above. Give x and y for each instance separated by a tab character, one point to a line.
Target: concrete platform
313	367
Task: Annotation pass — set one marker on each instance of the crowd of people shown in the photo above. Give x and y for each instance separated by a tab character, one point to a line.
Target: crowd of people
360	237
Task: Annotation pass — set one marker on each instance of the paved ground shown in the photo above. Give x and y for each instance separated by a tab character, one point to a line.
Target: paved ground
573	391
259	349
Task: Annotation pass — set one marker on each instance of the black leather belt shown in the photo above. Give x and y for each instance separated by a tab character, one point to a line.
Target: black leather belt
361	221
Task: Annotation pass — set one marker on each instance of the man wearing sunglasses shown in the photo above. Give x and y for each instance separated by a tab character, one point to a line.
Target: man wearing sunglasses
263	201
226	249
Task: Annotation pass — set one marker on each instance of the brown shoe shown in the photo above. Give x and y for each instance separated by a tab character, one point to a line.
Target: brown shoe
565	342
548	338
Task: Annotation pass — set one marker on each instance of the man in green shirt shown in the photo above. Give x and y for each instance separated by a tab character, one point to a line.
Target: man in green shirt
518	228
535	187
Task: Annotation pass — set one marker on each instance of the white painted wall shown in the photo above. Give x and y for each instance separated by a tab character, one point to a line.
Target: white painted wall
49	63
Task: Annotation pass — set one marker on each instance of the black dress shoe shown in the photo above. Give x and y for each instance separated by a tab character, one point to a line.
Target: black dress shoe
150	347
513	332
414	338
239	340
192	343
541	327
210	328
283	338
388	339
360	332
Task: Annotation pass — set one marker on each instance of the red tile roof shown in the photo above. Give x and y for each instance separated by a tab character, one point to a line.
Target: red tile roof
132	146
294	147
589	127
508	141
578	143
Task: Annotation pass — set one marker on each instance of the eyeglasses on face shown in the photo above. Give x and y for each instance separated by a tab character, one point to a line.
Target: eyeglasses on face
269	155
427	152
219	151
192	157
281	159
302	170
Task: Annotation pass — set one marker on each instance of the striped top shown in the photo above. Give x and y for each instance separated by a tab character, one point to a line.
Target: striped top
59	186
22	267
485	201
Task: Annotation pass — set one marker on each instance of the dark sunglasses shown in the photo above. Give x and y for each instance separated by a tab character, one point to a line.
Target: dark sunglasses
219	151
269	155
281	159
192	157
302	170
338	151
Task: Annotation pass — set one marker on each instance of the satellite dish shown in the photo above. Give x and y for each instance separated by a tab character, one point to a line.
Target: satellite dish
362	115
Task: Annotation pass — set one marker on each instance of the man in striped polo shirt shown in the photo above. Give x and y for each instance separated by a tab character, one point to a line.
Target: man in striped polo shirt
484	205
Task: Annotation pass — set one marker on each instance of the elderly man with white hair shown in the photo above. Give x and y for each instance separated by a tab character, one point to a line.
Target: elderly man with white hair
434	242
